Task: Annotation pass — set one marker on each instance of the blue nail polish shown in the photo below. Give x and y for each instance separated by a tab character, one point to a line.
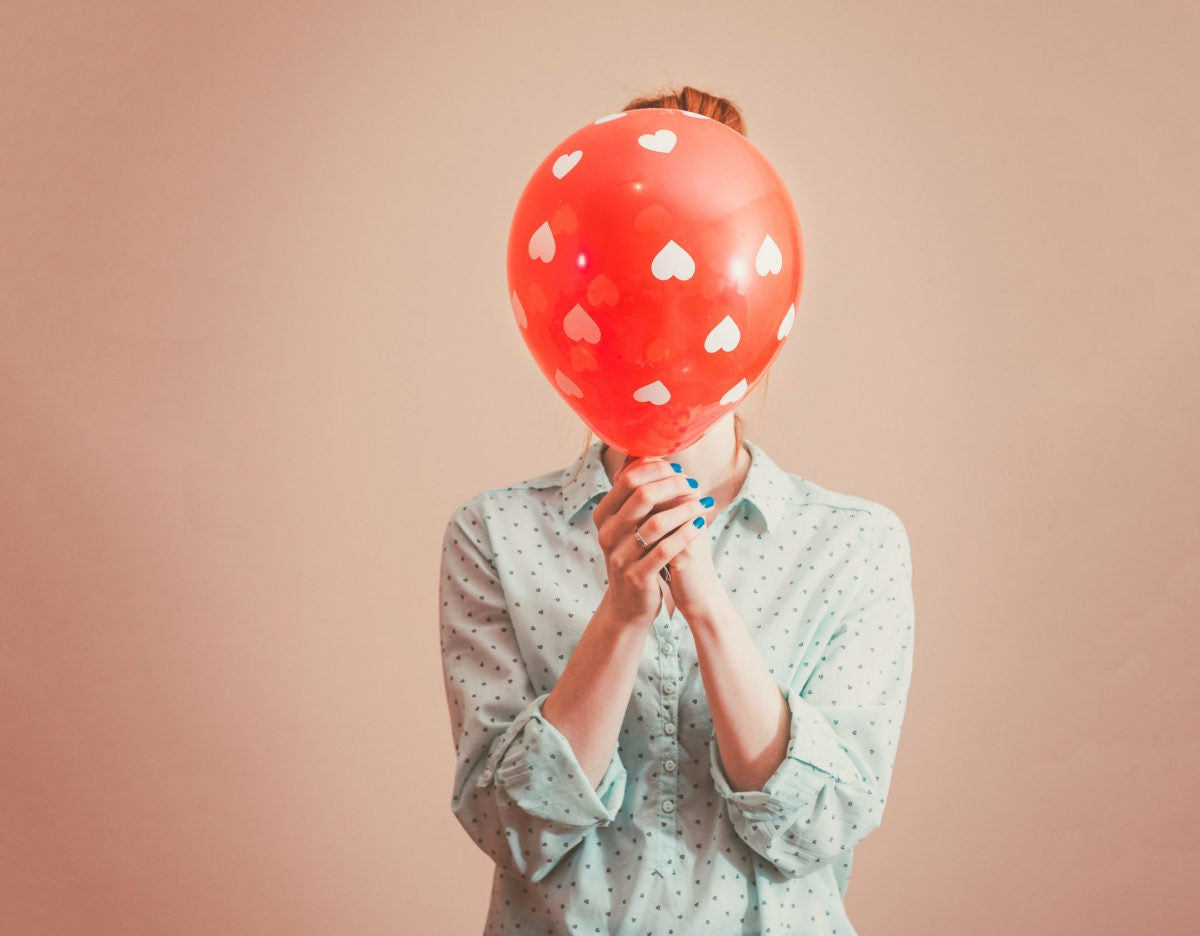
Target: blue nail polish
698	522
676	468
692	482
707	501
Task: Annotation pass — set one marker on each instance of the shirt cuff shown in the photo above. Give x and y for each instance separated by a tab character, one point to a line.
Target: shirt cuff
815	758
535	765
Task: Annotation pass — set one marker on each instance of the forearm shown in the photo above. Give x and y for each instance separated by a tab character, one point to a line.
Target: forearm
587	704
750	714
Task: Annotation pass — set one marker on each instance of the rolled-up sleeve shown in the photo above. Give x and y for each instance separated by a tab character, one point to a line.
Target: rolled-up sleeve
845	716
519	790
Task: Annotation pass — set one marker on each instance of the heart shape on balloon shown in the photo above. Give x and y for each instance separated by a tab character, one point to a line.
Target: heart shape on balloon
673	287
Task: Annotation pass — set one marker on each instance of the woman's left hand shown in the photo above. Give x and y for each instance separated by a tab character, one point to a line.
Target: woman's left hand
694	584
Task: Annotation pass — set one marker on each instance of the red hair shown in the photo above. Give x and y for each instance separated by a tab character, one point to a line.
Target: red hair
688	98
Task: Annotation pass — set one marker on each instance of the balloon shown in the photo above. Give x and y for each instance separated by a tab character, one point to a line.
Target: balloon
654	266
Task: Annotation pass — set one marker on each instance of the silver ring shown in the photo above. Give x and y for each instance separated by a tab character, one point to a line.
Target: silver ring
637	535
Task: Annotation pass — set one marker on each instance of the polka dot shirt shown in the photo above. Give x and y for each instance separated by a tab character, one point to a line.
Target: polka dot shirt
663	846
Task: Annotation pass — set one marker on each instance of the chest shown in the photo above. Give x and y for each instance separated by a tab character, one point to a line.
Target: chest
790	587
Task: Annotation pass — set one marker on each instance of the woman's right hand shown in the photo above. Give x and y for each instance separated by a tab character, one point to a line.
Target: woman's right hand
649	497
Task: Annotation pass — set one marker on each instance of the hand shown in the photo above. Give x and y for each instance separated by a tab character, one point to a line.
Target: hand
650	498
694	583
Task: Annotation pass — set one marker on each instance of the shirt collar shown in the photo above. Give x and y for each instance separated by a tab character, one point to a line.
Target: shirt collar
764	492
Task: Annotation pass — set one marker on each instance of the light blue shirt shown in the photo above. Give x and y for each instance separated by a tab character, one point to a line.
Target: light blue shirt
823	583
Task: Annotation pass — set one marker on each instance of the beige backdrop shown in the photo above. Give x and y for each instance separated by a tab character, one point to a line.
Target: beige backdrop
255	348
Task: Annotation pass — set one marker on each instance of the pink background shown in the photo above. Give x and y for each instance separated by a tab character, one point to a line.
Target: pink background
255	347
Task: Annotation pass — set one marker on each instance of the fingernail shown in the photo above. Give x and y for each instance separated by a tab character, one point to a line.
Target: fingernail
692	482
698	522
676	468
707	501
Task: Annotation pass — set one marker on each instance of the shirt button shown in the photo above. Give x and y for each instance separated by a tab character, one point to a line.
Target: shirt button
668	648
669	728
669	687
669	806
487	775
669	766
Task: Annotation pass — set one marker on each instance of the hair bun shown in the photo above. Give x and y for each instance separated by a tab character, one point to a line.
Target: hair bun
698	102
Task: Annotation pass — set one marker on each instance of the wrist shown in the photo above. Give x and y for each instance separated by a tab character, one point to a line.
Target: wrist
714	616
617	622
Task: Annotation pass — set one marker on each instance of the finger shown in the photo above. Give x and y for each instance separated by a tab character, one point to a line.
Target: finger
640	469
649	497
629	476
662	522
672	545
613	499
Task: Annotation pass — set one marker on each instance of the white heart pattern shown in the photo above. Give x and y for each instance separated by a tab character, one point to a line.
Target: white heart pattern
519	311
609	117
674	261
661	142
565	163
541	245
580	326
785	327
768	259
735	393
656	393
566	384
724	337
693	114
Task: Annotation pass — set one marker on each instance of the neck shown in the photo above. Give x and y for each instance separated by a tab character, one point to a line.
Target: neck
712	460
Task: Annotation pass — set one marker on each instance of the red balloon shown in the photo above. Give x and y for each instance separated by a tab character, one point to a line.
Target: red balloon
654	266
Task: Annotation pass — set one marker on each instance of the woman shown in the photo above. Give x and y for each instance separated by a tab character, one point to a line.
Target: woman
685	754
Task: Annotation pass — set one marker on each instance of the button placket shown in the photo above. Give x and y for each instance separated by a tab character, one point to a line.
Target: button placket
669	675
